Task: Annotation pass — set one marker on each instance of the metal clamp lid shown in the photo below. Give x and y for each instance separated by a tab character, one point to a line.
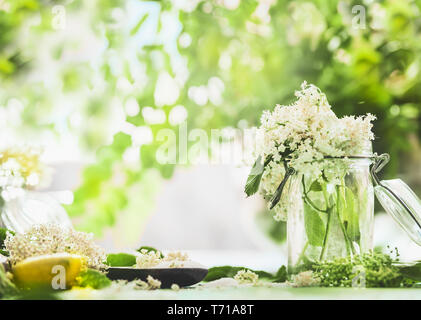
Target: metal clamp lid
397	199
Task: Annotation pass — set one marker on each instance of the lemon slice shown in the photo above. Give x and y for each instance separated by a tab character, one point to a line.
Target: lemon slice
48	271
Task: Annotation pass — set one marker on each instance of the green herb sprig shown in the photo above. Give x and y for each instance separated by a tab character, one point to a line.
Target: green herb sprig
380	271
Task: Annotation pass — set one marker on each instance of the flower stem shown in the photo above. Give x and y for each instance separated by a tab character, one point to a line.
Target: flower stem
348	243
302	253
308	200
329	215
326	235
1	201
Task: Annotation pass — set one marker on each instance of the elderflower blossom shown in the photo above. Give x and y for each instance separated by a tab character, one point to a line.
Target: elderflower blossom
176	259
20	168
148	259
305	279
153	283
246	277
303	134
50	239
175	287
176	255
150	284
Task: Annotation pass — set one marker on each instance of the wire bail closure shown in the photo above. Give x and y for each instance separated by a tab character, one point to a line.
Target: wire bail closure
380	161
289	171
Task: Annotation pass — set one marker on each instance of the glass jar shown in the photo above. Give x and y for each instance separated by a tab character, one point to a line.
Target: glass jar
30	208
330	214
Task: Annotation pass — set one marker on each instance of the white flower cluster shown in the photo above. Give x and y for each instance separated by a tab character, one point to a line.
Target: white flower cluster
303	134
20	168
246	277
150	259
150	284
175	287
305	279
50	239
176	256
176	259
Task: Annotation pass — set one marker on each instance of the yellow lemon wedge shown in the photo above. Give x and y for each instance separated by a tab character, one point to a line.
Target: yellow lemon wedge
57	271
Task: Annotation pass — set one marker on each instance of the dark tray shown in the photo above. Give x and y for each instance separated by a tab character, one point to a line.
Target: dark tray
168	276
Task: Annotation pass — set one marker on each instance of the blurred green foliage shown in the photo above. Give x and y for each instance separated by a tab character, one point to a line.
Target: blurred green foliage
260	51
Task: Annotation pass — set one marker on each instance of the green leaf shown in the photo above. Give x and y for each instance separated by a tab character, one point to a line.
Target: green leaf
4	252
348	211
314	226
255	175
7	288
254	178
3	235
316	186
281	275
216	273
149	249
411	271
120	260
263	274
93	279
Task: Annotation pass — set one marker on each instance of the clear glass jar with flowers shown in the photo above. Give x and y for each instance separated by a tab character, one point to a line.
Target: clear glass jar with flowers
314	168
